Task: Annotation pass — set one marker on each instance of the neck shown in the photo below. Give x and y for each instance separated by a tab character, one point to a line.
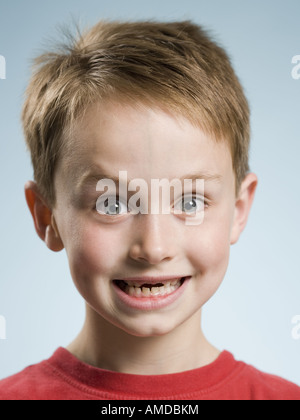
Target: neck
105	346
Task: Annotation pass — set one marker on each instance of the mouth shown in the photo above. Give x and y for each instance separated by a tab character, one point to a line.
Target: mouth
150	293
150	288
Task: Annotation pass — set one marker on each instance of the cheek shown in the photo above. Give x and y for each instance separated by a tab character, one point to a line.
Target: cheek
92	251
209	256
208	247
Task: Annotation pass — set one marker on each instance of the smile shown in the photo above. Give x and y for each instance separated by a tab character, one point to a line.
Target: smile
133	288
150	293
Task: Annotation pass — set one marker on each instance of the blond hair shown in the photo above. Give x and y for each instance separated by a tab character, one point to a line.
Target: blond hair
174	65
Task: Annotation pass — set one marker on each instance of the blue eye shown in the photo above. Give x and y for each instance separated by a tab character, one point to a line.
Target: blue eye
191	205
110	206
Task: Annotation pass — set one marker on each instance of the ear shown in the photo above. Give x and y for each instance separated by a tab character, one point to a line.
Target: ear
43	218
242	206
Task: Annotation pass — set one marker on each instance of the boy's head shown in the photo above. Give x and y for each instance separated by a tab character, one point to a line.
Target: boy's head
171	65
159	101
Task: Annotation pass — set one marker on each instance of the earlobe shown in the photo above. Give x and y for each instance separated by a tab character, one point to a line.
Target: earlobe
243	206
52	239
43	218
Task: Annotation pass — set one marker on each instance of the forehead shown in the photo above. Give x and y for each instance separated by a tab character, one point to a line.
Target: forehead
146	142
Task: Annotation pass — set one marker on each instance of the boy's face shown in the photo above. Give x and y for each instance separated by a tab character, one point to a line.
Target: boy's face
148	144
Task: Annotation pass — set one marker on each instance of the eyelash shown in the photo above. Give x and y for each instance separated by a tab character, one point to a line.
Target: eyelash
205	202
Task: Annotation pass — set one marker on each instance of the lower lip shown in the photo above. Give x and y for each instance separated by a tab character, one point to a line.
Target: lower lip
151	303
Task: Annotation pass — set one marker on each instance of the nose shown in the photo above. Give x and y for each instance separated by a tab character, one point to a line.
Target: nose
154	240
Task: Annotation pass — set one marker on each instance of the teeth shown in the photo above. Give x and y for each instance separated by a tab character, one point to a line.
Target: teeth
133	289
146	292
155	290
136	284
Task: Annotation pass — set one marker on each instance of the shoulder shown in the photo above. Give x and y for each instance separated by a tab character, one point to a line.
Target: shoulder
23	385
38	381
264	386
32	383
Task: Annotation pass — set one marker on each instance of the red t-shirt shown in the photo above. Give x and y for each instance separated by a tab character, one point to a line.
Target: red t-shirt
64	377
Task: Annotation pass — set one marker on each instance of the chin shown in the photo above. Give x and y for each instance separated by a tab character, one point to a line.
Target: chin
147	328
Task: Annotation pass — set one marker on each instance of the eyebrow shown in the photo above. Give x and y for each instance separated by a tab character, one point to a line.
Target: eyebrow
95	175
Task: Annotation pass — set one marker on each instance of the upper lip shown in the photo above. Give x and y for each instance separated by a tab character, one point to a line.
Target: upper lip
151	279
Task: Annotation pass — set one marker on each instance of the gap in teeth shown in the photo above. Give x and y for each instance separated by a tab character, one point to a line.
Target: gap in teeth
147	290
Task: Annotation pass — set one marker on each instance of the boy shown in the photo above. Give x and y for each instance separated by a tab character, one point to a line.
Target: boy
123	106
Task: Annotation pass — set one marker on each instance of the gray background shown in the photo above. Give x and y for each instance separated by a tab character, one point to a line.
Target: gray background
251	315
